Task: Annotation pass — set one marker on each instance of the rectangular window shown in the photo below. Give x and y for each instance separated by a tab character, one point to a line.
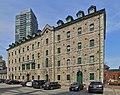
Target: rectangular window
59	50
12	69
91	76
15	60
58	63
19	50
23	66
68	34
68	77
19	77
46	52
28	66
38	66
91	59
58	77
32	77
32	46
79	61
58	37
23	77
27	48
32	56
19	59
23	58
23	49
28	57
47	41
68	48
92	43
15	77
38	77
79	45
38	44
79	31
114	77
15	52
33	65
46	62
38	55
110	77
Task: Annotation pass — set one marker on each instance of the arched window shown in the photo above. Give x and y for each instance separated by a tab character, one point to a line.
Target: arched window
68	62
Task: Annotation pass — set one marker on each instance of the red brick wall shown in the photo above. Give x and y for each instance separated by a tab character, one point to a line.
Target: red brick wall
114	75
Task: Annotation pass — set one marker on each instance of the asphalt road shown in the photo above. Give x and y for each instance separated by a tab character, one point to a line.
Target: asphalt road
19	90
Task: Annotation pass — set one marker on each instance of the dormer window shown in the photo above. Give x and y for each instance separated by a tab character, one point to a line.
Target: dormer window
33	35
91	9
69	18
80	14
60	22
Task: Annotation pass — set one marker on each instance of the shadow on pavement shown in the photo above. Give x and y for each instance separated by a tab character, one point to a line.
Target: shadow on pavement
74	93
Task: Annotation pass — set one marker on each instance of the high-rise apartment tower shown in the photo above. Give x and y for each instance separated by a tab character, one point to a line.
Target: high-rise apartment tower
26	24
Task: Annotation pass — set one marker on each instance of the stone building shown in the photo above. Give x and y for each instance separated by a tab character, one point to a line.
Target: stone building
3	69
72	51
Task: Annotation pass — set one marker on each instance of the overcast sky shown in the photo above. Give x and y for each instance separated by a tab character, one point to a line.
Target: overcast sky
50	11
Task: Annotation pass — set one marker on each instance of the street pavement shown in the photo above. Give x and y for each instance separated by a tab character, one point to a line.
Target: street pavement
19	90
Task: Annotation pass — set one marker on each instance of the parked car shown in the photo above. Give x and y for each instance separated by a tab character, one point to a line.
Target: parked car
76	86
6	81
51	85
24	83
38	83
13	82
95	87
29	83
2	80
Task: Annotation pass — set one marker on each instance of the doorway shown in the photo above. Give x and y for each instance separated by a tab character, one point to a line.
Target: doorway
79	77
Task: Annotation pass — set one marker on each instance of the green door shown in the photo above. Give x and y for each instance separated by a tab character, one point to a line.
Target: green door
79	77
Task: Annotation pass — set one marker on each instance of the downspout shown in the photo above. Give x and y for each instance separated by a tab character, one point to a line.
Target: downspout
99	52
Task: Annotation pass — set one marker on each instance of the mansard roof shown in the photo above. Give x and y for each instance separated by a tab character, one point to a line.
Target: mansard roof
30	37
80	19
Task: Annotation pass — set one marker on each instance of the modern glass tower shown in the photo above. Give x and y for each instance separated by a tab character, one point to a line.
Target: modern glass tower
26	24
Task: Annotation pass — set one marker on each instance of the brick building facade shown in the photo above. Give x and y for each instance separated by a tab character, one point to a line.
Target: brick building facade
112	75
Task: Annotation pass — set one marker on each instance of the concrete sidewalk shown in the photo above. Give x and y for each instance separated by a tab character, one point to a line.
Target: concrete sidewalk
112	86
